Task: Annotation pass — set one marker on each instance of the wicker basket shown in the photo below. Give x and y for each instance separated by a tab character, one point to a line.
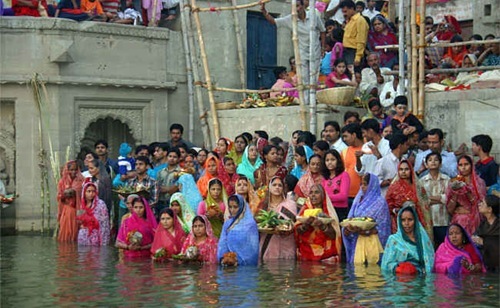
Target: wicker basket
342	96
226	105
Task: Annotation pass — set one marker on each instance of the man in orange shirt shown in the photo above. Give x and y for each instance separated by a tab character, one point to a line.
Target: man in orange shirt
93	8
353	137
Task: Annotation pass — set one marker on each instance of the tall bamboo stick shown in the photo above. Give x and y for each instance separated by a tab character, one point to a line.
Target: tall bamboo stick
414	54
239	46
421	63
208	79
152	21
196	75
298	63
312	73
231	8
401	52
408	52
189	70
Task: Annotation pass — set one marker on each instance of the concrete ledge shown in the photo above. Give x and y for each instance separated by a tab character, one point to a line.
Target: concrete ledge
61	24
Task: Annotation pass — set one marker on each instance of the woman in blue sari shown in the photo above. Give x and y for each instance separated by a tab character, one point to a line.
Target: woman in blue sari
366	245
249	163
409	250
240	234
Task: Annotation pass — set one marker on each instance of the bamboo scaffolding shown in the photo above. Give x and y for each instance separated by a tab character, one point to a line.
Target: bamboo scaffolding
298	63
231	90
239	46
451	70
414	55
229	8
189	70
401	53
421	63
196	75
204	59
443	44
312	72
152	21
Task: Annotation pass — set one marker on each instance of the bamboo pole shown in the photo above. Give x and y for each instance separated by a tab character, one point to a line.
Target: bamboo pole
401	53
421	63
312	73
239	46
204	60
189	70
196	75
231	90
451	70
152	21
414	55
230	8
298	63
443	44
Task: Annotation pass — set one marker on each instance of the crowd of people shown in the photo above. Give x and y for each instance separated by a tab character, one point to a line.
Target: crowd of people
346	54
435	209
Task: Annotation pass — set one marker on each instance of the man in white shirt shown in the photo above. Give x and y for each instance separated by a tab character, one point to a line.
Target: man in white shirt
332	136
334	10
373	78
435	140
370	10
303	30
374	149
387	167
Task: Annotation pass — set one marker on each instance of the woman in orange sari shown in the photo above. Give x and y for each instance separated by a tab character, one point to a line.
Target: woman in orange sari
69	191
244	188
318	241
310	178
403	191
211	168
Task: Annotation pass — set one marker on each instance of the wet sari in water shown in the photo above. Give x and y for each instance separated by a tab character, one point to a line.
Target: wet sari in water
216	206
186	215
67	207
208	248
400	249
240	235
361	248
449	256
172	243
94	229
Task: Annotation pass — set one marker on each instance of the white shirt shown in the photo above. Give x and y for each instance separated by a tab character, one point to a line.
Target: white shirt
370	14
369	79
303	29
338	16
389	88
448	167
386	169
339	145
369	161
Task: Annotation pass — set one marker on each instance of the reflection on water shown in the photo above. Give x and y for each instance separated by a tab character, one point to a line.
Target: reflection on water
39	272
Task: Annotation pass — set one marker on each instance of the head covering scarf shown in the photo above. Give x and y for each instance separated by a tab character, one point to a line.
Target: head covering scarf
66	182
306	182
380	39
472	57
313	244
400	248
449	256
370	204
89	221
246	168
227	179
190	191
187	214
211	203
172	243
206	177
252	198
297	171
66	209
207	249
240	235
146	226
261	143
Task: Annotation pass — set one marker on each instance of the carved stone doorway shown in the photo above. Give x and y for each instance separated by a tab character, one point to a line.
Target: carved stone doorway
114	131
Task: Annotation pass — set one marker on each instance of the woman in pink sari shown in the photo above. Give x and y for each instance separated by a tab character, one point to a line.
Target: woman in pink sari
458	254
136	233
203	238
464	194
381	34
69	191
278	246
94	228
169	235
310	178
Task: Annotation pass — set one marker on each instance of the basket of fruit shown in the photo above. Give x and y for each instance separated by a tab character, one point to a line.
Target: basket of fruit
317	213
364	223
269	222
126	191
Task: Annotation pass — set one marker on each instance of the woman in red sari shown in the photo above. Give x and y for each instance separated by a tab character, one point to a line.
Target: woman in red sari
403	190
228	175
136	233
381	34
318	241
69	193
310	178
169	235
464	194
270	168
211	168
203	238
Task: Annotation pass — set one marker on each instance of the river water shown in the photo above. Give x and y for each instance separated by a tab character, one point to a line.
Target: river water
39	272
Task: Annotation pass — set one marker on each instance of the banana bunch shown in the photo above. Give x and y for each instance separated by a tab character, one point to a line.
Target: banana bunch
268	219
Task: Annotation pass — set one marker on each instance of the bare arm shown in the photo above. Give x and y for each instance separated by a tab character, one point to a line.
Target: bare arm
266	14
